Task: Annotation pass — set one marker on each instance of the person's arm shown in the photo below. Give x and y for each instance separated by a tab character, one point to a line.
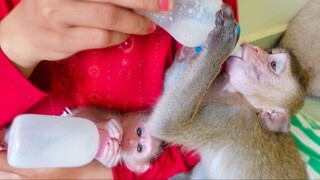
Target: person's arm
17	94
53	30
93	170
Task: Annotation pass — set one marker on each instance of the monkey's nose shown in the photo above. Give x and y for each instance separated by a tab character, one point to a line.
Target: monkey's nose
132	142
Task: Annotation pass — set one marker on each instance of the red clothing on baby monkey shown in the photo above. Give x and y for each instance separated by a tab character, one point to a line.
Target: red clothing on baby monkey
126	77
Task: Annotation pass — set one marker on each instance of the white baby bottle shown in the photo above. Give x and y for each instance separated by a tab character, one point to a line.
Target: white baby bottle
43	141
189	22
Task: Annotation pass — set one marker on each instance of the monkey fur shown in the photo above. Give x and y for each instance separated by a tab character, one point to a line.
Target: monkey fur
200	112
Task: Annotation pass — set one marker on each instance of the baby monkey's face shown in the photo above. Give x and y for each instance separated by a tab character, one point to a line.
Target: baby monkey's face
135	138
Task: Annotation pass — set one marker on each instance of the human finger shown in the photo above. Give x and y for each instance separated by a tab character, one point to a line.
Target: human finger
100	15
82	38
150	5
7	175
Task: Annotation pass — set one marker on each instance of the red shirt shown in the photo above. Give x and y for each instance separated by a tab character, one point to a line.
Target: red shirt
126	77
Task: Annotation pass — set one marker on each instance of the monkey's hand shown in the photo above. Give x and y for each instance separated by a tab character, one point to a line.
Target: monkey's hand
175	115
113	128
109	153
223	38
110	136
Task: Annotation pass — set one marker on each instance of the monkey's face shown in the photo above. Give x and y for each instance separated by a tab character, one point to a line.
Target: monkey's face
136	140
264	78
138	147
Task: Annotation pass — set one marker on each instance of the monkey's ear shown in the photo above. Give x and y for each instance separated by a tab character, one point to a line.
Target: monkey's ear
276	120
138	167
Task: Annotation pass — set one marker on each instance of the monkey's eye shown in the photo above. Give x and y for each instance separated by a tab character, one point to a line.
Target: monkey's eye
269	51
139	131
273	65
139	148
277	62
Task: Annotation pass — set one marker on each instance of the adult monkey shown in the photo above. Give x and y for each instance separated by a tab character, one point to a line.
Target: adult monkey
219	114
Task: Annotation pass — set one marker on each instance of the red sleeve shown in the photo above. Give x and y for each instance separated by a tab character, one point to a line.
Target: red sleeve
6	6
17	94
172	161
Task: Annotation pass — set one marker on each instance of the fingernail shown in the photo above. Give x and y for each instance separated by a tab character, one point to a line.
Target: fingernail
152	27
165	5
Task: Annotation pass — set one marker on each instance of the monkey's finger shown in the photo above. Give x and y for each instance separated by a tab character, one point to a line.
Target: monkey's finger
107	159
118	158
114	159
109	154
110	129
116	123
102	158
114	151
114	131
117	129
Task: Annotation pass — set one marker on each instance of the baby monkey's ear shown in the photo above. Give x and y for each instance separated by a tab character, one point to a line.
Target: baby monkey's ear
276	120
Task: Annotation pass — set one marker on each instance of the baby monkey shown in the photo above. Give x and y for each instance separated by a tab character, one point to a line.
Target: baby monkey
236	118
123	138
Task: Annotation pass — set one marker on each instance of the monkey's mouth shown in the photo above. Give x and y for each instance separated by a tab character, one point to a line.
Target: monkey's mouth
232	58
237	54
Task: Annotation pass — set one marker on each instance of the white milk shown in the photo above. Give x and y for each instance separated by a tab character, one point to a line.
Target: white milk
42	141
190	32
189	22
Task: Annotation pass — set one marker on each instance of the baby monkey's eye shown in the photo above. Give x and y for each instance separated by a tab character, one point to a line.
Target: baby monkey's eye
139	148
139	131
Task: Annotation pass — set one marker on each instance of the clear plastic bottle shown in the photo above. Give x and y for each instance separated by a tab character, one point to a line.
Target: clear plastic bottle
43	141
189	22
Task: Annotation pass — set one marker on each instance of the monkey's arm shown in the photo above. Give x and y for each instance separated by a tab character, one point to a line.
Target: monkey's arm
177	110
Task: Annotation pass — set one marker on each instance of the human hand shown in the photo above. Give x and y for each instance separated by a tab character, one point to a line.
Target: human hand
38	30
93	170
